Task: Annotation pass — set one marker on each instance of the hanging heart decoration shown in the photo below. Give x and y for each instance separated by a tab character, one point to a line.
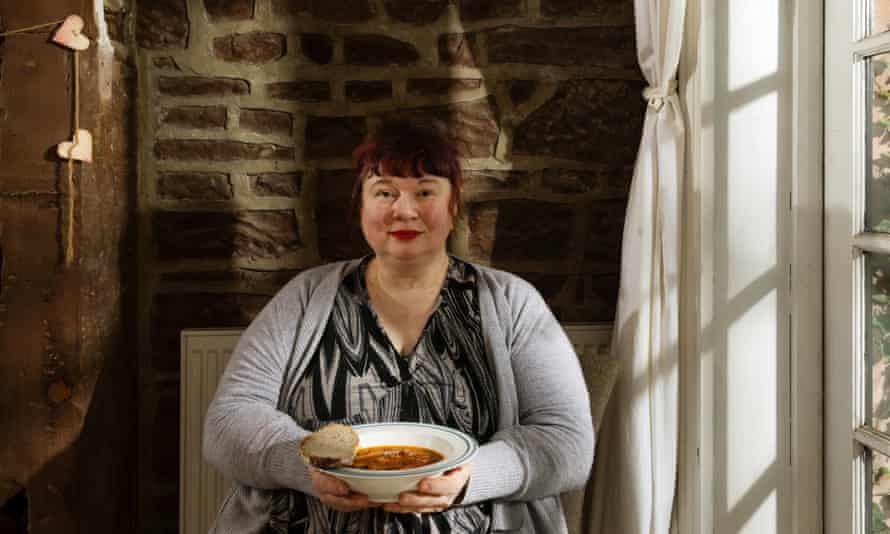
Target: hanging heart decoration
70	34
80	149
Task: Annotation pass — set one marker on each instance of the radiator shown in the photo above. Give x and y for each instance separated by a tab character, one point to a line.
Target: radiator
204	356
201	488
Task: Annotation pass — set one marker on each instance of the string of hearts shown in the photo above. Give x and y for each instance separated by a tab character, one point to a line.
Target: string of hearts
69	34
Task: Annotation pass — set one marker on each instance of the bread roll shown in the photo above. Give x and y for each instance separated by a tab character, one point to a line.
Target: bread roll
332	445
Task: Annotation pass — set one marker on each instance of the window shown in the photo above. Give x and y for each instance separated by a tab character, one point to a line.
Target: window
751	79
857	266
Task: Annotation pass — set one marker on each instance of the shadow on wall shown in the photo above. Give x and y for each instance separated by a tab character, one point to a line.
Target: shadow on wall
547	120
247	133
14	514
746	334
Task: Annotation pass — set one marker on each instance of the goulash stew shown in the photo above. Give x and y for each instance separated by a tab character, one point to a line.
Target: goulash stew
392	457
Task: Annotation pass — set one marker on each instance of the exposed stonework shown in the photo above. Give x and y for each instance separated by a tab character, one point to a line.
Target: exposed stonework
307	91
479	181
165	63
341	11
358	91
267	121
521	90
615	10
605	224
165	449
520	230
251	117
162	24
560	181
219	150
229	9
457	49
601	46
252	277
591	120
333	137
606	182
441	86
415	11
282	184
378	50
173	312
339	235
254	47
594	301
486	9
240	234
318	47
192	185
199	117
163	504
549	285
201	86
473	124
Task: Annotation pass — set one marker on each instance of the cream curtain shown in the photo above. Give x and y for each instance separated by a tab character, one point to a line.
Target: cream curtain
635	469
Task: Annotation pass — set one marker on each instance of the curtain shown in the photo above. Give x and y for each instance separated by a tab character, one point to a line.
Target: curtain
635	469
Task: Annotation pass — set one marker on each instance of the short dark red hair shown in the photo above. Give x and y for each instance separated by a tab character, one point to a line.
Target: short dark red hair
408	148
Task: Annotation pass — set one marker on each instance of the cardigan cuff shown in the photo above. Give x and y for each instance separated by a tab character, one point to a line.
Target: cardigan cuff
497	472
287	468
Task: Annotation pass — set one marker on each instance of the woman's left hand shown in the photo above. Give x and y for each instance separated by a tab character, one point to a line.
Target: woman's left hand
433	494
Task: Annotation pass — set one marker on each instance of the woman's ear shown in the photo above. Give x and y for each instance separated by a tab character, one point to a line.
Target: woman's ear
453	207
454	212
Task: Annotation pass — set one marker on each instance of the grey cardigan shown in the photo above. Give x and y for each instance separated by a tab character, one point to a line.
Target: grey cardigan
543	446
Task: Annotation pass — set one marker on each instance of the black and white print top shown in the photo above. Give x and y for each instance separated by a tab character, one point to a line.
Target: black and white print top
357	376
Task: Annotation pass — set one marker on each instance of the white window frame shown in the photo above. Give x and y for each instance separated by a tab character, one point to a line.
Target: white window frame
807	319
846	241
697	70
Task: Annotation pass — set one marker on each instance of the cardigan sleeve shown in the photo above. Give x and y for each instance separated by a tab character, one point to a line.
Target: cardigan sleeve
551	448
245	436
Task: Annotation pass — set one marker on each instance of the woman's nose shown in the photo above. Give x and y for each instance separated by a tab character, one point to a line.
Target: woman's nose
404	206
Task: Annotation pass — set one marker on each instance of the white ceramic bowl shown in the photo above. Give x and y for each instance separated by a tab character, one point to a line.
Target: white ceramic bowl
384	486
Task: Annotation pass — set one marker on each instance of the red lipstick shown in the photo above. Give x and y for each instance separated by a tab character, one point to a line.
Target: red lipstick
404	235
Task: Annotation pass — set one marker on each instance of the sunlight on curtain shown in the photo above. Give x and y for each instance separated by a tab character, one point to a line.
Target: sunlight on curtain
635	468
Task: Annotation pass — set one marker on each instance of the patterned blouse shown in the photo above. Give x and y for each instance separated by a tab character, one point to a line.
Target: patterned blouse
357	376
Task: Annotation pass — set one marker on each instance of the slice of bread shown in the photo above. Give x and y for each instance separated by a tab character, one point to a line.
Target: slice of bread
332	445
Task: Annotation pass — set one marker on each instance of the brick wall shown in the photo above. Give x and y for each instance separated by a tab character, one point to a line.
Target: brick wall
249	112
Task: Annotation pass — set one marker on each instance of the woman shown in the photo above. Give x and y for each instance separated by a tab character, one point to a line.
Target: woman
407	333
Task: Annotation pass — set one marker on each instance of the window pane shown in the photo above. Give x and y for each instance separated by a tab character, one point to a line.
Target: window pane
880	492
878	349
877	210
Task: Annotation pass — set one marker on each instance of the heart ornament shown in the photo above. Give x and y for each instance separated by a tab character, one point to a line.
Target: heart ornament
69	34
81	151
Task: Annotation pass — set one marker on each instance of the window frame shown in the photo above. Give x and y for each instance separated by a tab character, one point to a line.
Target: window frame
695	510
847	436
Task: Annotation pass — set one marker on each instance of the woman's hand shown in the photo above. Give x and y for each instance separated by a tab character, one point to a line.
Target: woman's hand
334	493
433	494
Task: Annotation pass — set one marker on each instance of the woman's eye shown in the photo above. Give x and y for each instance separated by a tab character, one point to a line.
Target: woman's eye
425	193
383	194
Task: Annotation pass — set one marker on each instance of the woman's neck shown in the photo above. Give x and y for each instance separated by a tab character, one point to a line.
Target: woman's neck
398	276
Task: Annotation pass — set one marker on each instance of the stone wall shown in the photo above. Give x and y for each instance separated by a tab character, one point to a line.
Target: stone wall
68	400
249	112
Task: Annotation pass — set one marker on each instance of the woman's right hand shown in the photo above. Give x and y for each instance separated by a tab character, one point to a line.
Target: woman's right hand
334	493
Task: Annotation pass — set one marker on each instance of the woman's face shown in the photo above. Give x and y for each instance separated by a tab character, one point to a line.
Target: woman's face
406	218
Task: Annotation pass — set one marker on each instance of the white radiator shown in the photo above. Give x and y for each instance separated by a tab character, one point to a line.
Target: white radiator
590	340
201	488
204	356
